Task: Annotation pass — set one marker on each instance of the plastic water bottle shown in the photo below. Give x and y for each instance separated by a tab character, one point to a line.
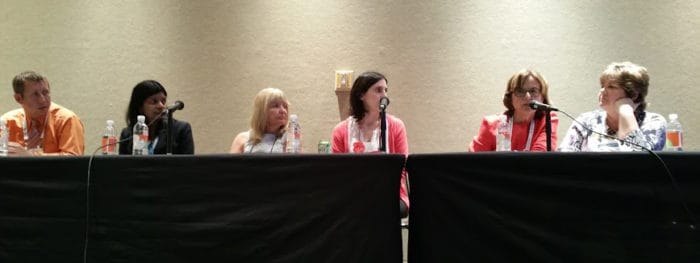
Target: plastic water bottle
109	139
4	137
293	135
674	133
503	134
140	137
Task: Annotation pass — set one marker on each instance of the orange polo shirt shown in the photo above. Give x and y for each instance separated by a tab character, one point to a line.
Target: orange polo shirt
63	134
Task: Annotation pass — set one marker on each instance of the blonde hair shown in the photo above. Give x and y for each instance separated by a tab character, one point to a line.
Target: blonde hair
258	121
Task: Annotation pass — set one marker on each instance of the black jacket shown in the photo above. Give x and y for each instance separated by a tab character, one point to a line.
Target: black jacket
182	139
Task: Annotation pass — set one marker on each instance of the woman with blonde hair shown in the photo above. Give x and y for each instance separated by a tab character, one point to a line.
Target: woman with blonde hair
268	124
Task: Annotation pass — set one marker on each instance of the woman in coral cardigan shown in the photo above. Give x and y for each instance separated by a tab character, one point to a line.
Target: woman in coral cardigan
360	132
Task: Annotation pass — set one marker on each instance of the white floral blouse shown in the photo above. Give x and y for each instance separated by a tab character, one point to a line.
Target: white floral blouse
651	134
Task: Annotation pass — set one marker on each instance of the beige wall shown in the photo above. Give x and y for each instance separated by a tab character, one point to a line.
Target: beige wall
447	62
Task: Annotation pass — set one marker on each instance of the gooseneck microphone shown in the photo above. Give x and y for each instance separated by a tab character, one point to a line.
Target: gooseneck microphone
536	105
177	105
383	103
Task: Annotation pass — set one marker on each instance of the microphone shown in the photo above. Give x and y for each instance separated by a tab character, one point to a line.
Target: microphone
536	105
383	102
177	105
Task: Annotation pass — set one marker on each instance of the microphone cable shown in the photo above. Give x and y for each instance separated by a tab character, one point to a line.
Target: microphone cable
674	183
87	194
87	185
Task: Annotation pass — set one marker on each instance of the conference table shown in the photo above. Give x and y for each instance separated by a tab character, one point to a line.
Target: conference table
465	207
202	208
554	207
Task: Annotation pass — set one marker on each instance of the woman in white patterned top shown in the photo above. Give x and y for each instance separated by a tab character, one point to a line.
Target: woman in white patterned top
267	125
622	117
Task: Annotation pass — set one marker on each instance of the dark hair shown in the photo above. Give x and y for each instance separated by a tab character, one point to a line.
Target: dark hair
359	88
21	78
517	81
139	94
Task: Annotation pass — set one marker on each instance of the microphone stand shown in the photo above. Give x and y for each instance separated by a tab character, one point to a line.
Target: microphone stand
169	134
547	109
382	134
548	128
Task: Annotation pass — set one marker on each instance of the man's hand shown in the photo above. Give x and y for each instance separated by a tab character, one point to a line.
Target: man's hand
14	148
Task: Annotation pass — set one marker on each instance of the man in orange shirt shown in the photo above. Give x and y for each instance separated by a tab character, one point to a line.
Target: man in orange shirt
41	127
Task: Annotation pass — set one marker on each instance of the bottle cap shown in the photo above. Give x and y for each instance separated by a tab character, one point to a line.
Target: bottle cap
141	118
293	117
110	123
672	116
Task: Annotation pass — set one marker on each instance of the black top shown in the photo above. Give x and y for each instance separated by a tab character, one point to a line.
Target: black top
182	139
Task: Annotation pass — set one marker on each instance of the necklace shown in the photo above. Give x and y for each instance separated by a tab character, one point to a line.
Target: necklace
609	129
261	143
273	144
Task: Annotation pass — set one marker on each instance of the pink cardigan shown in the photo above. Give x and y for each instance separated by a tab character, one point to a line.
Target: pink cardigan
398	143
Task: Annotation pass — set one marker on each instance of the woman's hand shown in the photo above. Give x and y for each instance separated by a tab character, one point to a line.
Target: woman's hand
627	121
626	101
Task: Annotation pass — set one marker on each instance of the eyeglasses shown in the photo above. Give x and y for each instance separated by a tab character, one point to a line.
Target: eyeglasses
521	92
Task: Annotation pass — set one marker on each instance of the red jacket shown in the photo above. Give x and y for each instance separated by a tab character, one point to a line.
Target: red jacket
486	139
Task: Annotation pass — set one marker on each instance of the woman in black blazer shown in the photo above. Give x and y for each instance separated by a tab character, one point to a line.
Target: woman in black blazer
149	98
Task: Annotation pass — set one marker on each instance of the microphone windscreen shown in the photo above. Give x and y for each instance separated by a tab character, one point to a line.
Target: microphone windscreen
384	101
177	105
533	104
